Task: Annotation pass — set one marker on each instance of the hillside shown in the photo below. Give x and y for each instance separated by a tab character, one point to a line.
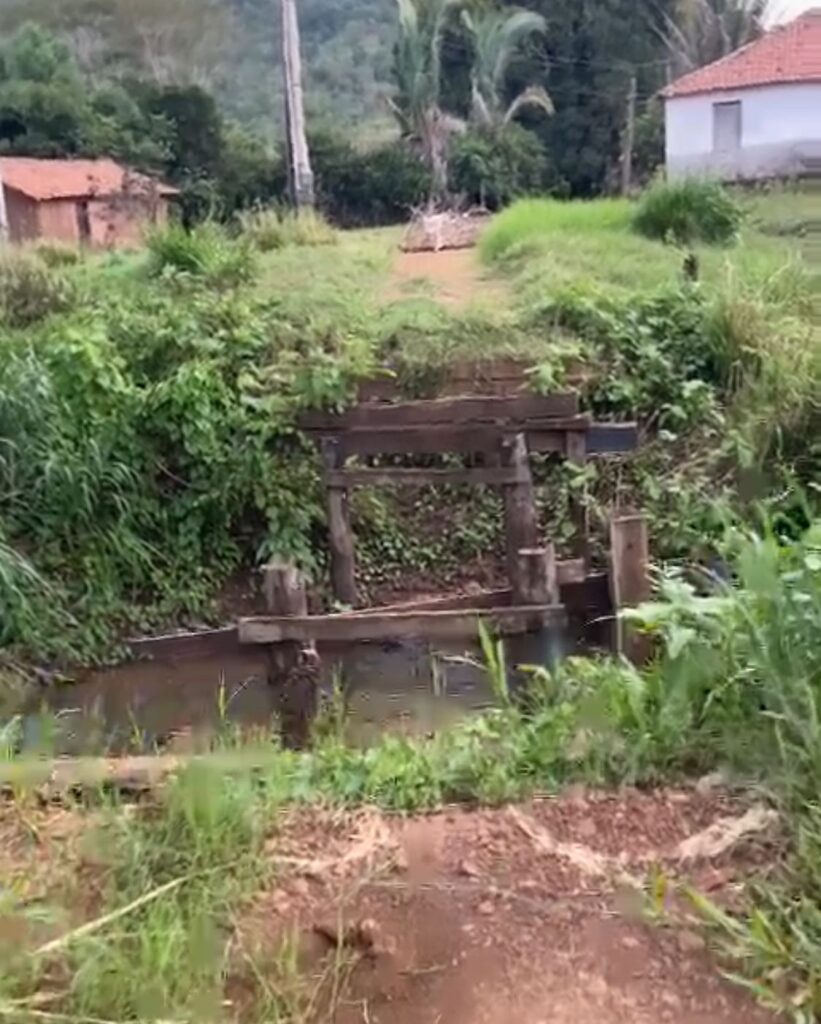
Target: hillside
232	48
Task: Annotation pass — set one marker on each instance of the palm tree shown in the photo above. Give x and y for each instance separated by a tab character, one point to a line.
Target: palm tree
701	31
497	36
422	25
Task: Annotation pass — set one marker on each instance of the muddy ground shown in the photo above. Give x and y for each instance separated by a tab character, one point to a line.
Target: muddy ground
523	915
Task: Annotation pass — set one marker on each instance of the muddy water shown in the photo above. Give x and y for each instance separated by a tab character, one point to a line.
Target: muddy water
405	687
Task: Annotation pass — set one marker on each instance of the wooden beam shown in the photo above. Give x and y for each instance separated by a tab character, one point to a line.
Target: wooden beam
387	475
537	580
446	411
340	532
630	579
437	438
204	643
520	521
284	588
433	625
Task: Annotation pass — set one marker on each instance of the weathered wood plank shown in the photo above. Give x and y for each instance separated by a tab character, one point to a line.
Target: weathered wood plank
537	578
435	625
432	440
340	531
204	643
386	475
630	579
448	411
520	521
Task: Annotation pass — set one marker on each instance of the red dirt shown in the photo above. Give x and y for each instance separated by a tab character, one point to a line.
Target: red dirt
453	277
461	917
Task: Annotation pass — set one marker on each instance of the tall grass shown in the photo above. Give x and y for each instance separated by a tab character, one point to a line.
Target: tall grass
687	211
271	229
531	221
206	251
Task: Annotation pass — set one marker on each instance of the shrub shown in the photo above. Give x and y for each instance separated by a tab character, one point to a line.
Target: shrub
206	251
380	186
57	254
273	229
492	168
30	290
528	220
688	211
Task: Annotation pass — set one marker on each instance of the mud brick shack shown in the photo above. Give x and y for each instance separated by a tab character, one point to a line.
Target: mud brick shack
98	203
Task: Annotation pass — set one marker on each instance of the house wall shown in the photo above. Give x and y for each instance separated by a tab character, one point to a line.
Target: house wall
122	221
22	216
57	221
114	222
780	133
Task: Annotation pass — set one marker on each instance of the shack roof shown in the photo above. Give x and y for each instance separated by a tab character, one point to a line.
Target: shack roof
43	180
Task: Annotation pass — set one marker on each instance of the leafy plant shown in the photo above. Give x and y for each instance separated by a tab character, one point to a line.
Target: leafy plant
687	211
31	289
205	251
273	229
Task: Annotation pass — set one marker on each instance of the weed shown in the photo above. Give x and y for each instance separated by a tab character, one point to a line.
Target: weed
272	229
206	251
530	221
686	211
31	289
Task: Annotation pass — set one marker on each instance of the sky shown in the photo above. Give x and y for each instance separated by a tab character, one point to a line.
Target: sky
784	10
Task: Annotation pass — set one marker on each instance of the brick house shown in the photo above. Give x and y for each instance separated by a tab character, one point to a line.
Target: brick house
97	203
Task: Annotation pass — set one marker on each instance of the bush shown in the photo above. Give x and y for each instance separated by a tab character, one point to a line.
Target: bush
57	254
206	251
273	229
381	186
528	220
30	290
492	168
688	211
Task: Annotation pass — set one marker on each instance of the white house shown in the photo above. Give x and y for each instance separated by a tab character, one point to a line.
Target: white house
753	114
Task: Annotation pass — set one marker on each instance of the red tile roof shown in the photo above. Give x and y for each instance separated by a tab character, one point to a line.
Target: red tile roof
789	53
72	179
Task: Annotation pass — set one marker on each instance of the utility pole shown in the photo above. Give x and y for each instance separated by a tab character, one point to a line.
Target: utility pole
300	175
629	138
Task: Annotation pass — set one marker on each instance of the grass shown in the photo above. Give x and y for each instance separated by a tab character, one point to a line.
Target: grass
272	229
144	917
529	220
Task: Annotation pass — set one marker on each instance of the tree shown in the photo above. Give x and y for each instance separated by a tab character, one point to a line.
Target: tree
497	36
698	32
417	106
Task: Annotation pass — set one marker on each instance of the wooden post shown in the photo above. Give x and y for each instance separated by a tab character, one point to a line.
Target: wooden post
521	526
293	667
340	534
537	577
576	453
630	580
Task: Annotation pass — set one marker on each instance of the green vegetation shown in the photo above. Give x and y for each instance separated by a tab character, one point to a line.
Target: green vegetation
534	220
148	418
274	229
688	211
106	76
735	687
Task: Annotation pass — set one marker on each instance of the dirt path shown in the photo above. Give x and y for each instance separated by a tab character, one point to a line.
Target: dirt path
516	916
453	277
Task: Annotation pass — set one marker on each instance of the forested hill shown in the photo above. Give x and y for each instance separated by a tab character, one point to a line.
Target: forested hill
232	48
347	49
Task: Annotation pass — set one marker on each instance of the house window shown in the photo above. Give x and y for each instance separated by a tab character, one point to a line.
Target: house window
727	127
